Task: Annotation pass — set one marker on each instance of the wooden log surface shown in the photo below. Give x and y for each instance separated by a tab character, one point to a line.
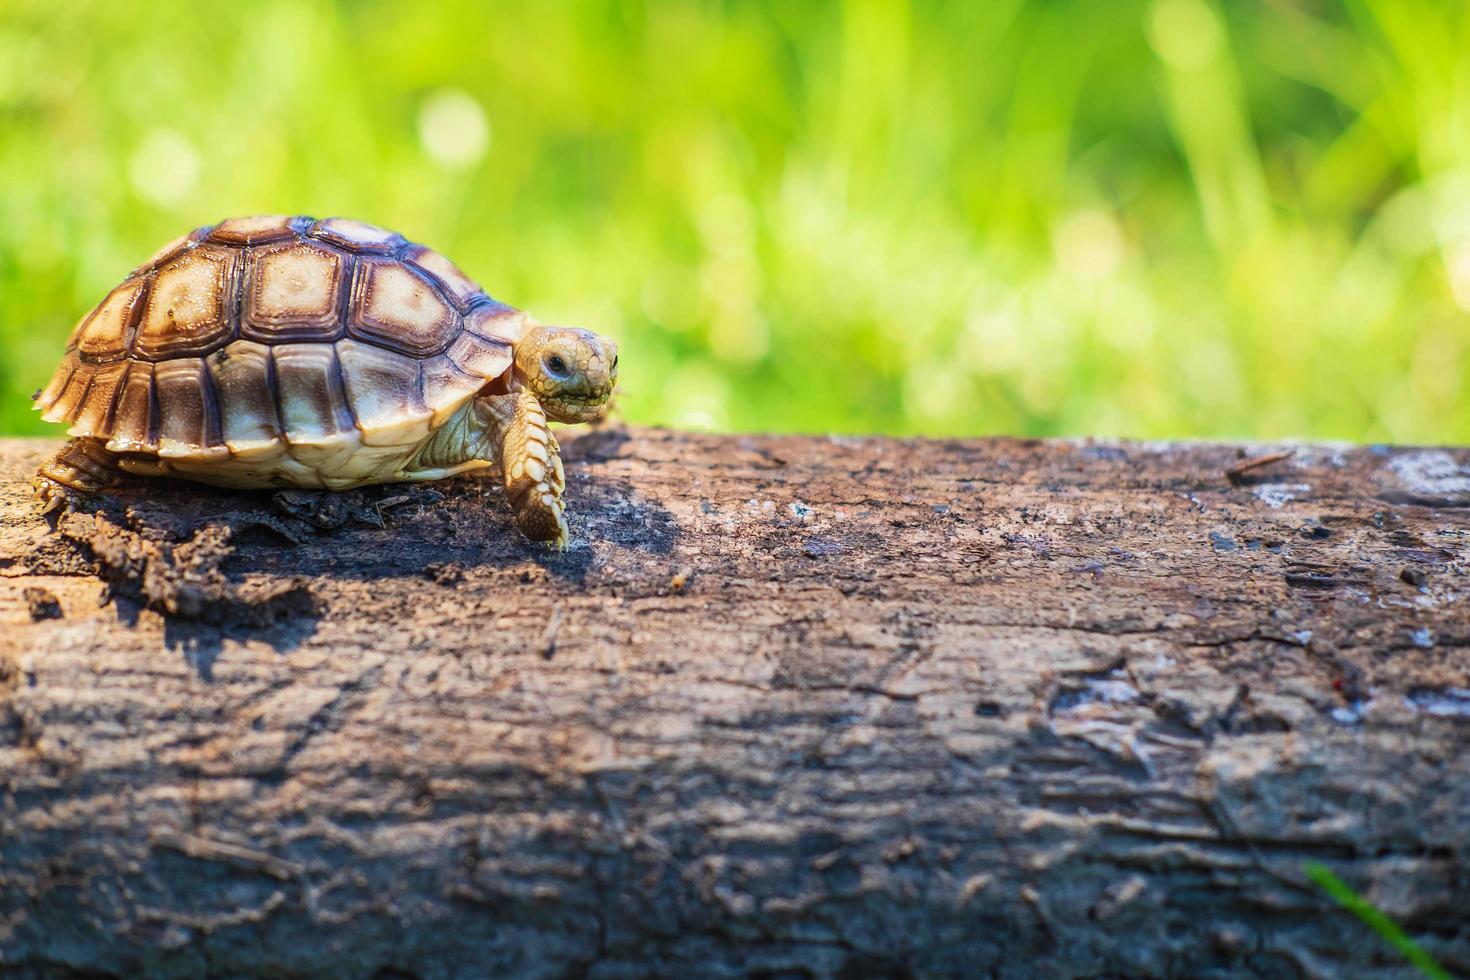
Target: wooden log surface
787	707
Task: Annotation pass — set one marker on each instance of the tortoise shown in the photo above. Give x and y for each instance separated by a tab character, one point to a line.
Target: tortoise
277	351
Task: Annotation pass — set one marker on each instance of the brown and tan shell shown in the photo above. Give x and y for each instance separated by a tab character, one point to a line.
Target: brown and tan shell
260	333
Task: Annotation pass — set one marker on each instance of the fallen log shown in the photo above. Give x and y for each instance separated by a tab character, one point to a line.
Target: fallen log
787	707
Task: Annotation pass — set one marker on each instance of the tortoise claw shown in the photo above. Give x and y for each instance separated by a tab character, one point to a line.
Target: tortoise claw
52	495
563	535
542	517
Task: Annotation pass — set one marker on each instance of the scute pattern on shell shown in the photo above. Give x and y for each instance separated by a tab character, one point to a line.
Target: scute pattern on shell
295	292
239	337
399	308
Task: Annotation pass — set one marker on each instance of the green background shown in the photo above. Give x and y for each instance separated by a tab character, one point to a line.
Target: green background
1172	218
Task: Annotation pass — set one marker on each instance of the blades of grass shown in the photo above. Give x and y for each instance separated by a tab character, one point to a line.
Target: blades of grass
1210	119
1374	919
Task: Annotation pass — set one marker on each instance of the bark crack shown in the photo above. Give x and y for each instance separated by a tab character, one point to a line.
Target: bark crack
876	708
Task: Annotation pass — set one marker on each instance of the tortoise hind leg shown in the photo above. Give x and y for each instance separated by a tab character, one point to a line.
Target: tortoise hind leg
82	464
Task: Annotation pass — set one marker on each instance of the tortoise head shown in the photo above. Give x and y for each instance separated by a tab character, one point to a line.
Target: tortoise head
572	372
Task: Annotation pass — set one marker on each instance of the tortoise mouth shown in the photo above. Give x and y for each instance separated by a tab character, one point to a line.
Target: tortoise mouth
577	406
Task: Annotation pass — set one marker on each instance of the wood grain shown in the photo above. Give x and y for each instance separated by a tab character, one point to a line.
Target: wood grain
789	706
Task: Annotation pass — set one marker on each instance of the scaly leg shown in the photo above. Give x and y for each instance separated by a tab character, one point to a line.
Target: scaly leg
557	476
530	461
82	465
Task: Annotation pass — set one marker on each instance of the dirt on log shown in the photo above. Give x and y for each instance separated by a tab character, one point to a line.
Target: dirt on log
849	707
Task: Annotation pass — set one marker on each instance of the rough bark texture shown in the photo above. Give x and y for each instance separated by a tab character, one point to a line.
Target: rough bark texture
788	707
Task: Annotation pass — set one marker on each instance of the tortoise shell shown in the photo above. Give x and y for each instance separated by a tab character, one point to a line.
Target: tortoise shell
259	333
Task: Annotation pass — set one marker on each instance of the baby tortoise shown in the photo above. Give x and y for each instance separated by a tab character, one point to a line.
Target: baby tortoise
276	351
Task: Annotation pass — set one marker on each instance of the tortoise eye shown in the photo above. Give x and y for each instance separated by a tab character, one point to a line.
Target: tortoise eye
556	365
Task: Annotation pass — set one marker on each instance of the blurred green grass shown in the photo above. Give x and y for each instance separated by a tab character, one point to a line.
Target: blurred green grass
1172	218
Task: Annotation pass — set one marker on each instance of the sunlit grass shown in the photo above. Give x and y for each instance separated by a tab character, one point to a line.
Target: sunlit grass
1164	219
1371	916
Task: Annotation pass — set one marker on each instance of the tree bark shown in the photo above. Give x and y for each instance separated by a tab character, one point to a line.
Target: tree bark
787	707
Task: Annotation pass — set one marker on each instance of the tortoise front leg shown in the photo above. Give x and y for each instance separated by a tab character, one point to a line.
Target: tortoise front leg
530	462
556	474
82	464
